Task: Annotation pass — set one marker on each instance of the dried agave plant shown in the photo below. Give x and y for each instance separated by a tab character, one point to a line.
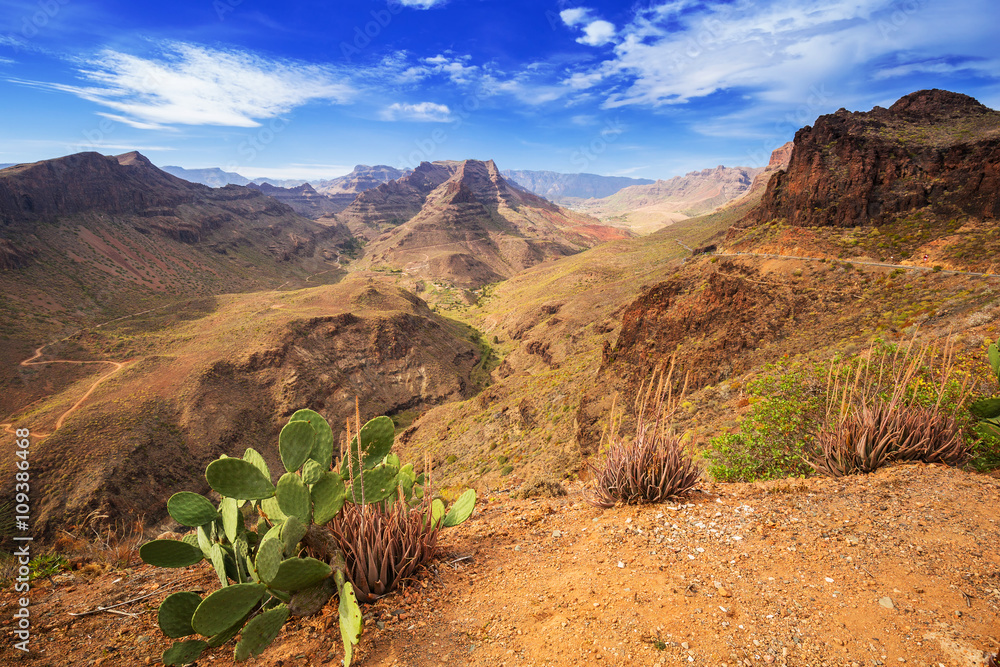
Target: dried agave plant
876	422
649	466
383	546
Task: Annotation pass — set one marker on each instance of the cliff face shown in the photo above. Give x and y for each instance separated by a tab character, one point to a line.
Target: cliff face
931	148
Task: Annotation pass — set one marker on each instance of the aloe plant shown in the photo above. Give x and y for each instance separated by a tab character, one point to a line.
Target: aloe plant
289	564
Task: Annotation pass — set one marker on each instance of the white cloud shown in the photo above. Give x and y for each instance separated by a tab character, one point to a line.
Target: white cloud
778	53
454	68
574	16
424	112
422	4
597	33
187	84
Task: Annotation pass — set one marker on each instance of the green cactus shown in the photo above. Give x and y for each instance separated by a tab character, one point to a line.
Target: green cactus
312	472
461	509
328	495
376	442
232	520
295	442
293	497
377	484
184	653
191	509
269	558
174	615
322	451
220	610
351	621
292	532
260	632
170	553
237	478
270	573
294	574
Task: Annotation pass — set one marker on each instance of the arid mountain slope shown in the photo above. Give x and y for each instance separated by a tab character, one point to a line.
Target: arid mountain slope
646	208
226	378
88	238
462	222
566	189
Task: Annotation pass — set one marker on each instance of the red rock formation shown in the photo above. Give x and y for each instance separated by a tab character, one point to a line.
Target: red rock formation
931	148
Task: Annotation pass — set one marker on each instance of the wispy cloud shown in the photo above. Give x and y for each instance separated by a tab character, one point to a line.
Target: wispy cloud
423	112
675	52
422	4
187	84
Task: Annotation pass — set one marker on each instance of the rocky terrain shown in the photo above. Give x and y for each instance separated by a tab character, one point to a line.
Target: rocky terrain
932	148
224	379
303	199
462	222
891	568
568	189
646	208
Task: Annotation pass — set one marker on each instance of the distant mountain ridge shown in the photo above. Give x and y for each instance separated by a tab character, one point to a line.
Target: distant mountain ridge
559	187
462	221
646	208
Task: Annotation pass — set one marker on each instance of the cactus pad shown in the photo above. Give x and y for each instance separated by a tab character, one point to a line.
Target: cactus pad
220	610
174	616
328	497
312	472
292	531
191	509
237	478
461	509
269	558
375	485
229	508
294	574
218	558
260	632
294	444
169	553
184	653
293	497
351	621
376	442
251	455
322	451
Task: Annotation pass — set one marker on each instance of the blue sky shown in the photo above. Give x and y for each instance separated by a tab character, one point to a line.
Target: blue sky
309	89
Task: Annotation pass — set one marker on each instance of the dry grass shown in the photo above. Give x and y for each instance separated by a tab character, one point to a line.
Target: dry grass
878	417
650	465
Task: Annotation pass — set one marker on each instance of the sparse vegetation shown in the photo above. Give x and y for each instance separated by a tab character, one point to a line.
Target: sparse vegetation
650	465
289	564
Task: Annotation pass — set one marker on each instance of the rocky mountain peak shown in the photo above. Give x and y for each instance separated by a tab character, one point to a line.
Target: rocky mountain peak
935	104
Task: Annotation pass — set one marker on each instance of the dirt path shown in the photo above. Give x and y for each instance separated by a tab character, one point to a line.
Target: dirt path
908	267
117	366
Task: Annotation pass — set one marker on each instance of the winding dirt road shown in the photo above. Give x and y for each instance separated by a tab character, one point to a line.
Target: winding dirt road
8	427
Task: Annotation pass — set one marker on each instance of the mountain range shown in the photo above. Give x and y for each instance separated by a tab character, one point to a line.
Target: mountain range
487	321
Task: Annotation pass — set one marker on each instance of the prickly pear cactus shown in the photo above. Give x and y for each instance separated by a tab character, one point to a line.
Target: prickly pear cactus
288	564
